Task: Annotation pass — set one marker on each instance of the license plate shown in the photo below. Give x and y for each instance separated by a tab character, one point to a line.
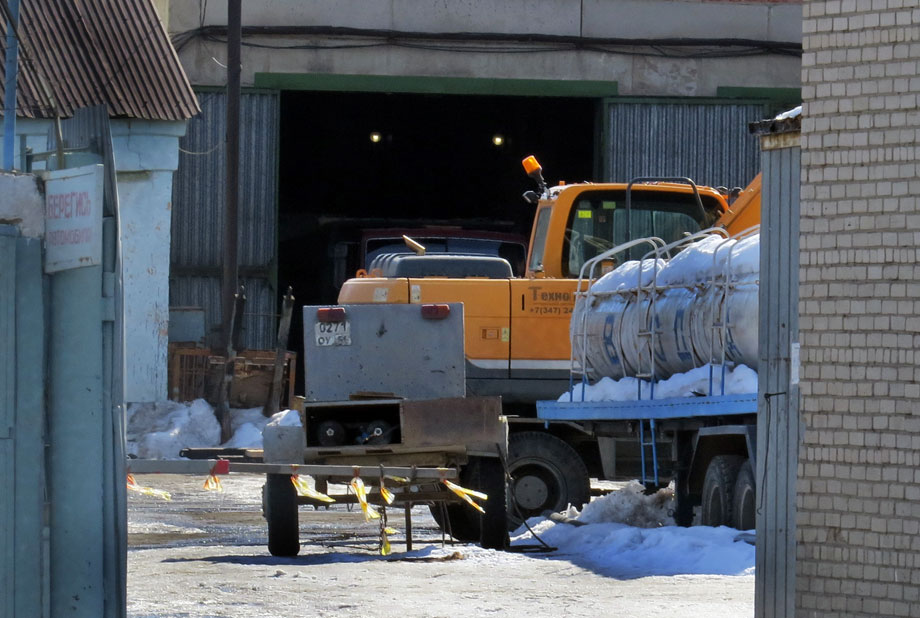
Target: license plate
333	333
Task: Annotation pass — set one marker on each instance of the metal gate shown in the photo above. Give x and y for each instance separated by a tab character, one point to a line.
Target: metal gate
21	426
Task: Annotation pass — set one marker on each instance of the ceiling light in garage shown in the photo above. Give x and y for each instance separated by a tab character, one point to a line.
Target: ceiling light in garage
498	140
376	137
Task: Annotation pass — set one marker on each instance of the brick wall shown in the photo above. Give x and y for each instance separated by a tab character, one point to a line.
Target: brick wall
858	495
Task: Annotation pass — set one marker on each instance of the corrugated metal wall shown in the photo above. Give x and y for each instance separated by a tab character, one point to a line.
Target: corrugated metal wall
708	143
778	415
198	206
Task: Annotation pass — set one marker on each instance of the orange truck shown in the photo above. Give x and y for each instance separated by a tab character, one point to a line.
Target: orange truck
517	328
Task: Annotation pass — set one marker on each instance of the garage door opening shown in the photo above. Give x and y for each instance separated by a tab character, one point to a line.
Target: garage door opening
352	163
358	161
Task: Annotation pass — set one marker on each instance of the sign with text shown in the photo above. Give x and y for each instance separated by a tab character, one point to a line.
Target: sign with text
73	218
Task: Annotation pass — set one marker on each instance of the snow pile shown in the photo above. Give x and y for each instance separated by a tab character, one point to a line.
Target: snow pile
618	550
628	275
740	380
632	535
162	430
631	506
288	418
698	262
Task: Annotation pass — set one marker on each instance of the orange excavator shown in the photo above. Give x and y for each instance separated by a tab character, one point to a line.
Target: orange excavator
517	342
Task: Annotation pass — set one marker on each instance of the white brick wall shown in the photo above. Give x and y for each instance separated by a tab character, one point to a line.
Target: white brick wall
858	550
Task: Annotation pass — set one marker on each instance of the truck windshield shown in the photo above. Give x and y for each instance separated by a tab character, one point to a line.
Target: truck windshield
600	221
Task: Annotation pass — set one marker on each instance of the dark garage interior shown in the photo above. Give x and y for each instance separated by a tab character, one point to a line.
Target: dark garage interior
350	162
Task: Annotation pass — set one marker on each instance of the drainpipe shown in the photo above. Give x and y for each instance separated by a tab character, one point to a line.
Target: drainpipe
12	66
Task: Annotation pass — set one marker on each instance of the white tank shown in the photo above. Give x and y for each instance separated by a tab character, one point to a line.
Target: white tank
692	309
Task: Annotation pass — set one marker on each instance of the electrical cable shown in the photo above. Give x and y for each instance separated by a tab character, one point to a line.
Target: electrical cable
543	546
204	152
534	43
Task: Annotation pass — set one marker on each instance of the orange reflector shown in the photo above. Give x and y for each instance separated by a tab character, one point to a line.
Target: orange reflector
435	312
531	165
330	314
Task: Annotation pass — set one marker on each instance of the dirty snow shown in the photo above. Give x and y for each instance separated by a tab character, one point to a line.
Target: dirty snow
162	430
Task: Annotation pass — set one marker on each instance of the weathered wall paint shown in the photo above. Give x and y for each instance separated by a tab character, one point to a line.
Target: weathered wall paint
146	155
204	61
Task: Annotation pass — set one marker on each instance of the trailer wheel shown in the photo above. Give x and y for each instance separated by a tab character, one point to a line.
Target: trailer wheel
719	489
491	481
744	499
483	474
546	474
461	524
279	506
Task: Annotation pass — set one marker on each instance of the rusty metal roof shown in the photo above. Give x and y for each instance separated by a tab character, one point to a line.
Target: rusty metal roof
89	52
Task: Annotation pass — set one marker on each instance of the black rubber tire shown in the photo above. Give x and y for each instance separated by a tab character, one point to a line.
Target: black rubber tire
683	510
744	506
330	433
279	506
468	525
464	525
546	474
488	476
719	489
379	432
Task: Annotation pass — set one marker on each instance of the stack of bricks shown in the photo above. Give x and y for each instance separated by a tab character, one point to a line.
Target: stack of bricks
858	494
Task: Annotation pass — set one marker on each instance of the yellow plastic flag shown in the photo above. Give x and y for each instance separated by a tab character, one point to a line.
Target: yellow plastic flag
369	511
398	479
212	483
385	548
466	493
385	493
148	491
303	489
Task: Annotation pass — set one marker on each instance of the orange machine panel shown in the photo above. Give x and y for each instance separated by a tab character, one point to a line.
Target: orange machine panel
540	313
745	211
374	290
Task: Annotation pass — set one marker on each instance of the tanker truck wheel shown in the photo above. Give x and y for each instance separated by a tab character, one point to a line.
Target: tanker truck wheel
279	506
719	490
743	506
546	474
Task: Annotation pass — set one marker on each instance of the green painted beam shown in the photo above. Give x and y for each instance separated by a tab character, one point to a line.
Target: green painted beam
436	85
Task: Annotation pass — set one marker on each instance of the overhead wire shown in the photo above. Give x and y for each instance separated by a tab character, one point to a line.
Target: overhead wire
475	42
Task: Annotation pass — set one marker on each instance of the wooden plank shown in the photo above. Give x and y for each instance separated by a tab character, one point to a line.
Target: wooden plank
205	466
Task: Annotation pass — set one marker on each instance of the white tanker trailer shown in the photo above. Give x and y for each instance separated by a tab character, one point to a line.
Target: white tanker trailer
677	309
697	307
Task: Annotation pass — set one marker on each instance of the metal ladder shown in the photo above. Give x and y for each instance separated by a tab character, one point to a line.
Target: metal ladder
643	445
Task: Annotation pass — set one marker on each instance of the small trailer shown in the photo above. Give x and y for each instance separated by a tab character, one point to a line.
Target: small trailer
385	414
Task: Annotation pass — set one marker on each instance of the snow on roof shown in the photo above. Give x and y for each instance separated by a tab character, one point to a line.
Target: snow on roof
789	121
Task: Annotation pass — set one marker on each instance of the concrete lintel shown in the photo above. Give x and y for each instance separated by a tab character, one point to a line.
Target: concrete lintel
142	145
